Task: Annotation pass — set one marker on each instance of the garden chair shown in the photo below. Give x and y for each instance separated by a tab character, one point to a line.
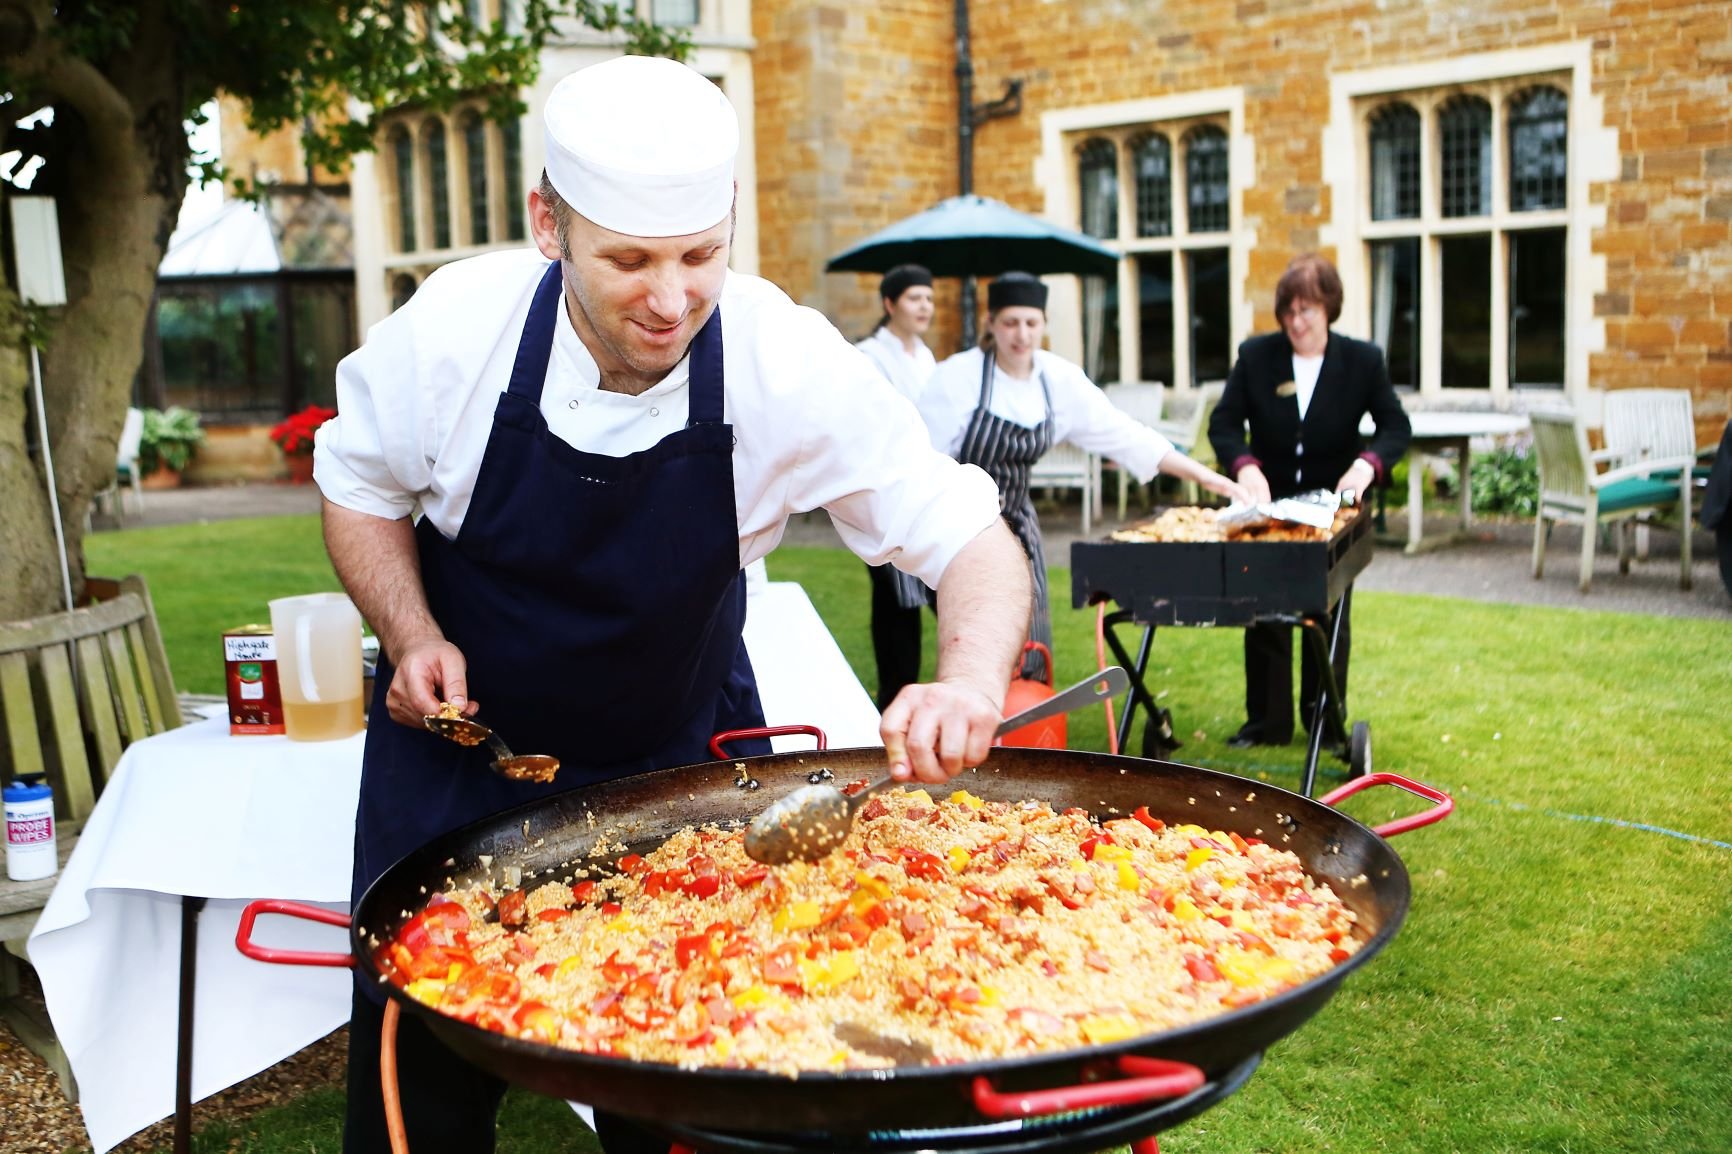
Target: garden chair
1190	435
1658	427
1065	466
1571	489
125	468
1144	401
76	688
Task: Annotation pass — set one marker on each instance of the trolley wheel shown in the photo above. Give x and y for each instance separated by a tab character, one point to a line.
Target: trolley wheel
1158	740
1359	750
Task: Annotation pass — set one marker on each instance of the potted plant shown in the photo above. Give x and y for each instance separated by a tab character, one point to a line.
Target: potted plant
294	436
167	444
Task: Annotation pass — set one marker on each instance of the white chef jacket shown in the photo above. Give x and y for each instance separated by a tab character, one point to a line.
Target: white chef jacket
816	424
908	372
1081	413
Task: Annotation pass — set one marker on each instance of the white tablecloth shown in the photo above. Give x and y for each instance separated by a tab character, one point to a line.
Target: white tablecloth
196	812
1442	429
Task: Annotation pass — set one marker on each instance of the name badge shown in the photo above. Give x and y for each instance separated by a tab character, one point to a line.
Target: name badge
1286	389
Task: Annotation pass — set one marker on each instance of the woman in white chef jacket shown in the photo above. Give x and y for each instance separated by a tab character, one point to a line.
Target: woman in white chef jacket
1003	405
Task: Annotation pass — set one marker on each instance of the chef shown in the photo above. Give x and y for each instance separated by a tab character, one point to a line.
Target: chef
550	468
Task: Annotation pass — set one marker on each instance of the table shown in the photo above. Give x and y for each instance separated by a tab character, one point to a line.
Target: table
194	824
1441	429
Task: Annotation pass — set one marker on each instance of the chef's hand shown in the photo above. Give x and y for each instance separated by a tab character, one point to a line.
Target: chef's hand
1358	477
1231	490
429	671
933	732
1253	481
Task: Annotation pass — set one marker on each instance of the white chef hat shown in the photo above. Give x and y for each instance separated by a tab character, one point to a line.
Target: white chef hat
643	145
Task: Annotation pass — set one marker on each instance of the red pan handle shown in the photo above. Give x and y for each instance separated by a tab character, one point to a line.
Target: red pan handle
727	735
1445	806
1145	1078
244	935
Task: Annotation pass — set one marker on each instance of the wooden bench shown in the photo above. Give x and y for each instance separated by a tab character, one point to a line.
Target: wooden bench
76	688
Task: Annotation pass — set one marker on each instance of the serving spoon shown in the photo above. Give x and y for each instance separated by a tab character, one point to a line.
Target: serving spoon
813	820
538	767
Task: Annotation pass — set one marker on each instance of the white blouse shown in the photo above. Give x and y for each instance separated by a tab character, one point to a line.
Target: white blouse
909	372
816	424
1081	413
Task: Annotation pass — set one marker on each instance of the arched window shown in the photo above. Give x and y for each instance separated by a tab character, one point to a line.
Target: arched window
402	288
475	169
1464	132
511	134
1394	163
1152	156
1538	152
403	155
438	182
1206	179
1098	174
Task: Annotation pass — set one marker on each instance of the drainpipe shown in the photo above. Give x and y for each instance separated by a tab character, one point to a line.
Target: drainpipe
968	115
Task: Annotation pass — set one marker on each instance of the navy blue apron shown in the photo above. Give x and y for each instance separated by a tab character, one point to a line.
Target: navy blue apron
598	601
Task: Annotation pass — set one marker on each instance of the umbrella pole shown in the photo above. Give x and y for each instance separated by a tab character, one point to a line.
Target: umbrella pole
965	148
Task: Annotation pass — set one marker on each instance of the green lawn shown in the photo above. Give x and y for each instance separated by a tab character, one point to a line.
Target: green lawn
1564	980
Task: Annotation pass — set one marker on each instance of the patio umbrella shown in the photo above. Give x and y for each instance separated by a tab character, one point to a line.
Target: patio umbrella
977	236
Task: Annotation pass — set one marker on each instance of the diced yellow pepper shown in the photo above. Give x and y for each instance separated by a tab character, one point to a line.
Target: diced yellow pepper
1197	857
1105	852
860	901
798	916
876	886
568	967
963	797
1128	879
1244	968
959	858
427	991
822	975
1185	910
989	996
1190	830
621	924
1242	920
1077	864
1104	1028
723	1046
919	797
759	997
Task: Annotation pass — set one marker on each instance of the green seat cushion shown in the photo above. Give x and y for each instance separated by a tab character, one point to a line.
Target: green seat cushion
1636	493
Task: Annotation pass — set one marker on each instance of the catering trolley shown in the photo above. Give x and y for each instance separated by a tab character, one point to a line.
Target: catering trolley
1230	583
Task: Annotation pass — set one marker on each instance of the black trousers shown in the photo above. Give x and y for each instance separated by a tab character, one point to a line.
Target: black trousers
449	1106
1269	678
895	638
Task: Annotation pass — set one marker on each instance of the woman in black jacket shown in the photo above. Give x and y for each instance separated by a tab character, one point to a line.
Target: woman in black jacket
1302	392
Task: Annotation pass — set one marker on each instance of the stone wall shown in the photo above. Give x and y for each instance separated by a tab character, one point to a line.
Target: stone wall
856	128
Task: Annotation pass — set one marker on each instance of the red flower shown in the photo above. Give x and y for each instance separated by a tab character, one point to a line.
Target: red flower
294	436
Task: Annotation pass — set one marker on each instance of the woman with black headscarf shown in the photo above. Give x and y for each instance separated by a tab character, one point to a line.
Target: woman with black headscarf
1003	405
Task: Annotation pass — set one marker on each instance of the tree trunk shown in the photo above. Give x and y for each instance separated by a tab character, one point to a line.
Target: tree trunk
118	198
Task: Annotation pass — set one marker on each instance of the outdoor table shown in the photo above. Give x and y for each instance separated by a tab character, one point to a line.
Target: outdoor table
194	824
1437	430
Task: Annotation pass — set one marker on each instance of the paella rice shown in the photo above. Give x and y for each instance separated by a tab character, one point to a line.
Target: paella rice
973	929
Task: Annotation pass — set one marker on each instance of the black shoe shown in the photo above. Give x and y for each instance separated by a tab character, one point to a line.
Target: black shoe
1251	734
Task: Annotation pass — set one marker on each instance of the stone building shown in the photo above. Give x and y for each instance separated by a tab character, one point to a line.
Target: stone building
1525	199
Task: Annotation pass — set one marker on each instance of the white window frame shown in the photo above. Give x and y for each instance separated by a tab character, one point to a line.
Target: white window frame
1055	173
1592	155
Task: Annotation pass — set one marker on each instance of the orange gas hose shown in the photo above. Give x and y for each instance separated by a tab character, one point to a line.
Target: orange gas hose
1101	664
388	1081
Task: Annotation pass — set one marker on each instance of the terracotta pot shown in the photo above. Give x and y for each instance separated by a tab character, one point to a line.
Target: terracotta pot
162	477
300	468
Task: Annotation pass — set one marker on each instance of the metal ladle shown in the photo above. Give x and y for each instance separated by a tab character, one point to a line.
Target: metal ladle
813	820
538	767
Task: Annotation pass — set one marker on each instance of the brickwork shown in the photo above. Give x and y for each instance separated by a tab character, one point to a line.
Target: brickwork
856	128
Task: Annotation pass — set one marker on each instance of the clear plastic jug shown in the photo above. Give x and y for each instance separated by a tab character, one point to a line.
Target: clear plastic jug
318	641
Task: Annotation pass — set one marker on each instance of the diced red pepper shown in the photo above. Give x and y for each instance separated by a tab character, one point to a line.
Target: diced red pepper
583	891
750	875
1202	968
552	914
920	864
781	965
1155	824
611	908
631	862
703	885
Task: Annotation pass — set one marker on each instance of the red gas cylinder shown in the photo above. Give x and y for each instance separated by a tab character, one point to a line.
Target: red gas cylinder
1024	693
